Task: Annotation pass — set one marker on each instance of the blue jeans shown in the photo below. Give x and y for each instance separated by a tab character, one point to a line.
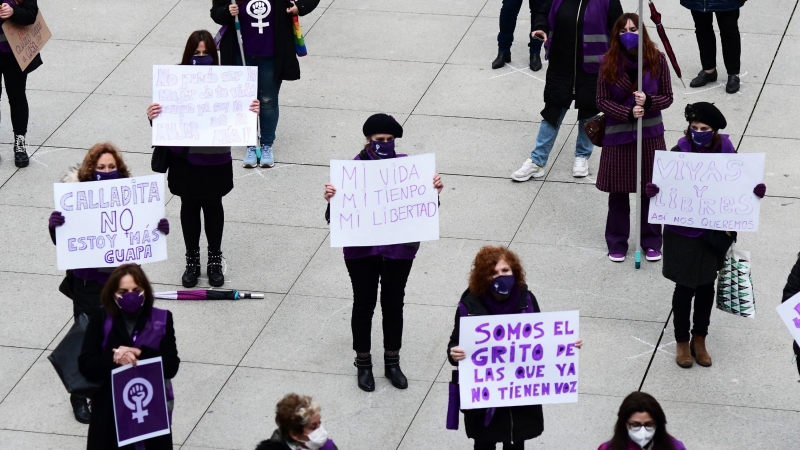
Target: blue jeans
508	22
547	138
268	90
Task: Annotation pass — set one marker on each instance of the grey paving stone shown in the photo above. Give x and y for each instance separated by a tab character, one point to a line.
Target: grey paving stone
134	76
72	66
175	27
782	179
38	256
48	110
196	386
479	45
769	120
24	293
40	441
452	7
17	362
785	68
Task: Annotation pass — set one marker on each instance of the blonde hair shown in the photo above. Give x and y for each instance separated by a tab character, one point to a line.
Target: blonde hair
294	412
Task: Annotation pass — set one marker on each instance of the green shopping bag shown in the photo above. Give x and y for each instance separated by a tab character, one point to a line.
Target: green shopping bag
735	285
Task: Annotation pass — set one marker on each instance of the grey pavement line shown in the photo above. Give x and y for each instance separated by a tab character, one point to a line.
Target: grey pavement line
31	273
477	118
279	369
22	377
22	347
42	432
407	12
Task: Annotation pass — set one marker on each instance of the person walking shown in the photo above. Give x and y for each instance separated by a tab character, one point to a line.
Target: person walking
268	41
497	286
618	98
20	12
200	176
790	290
689	261
84	286
641	425
508	23
576	34
389	265
128	329
299	423
727	12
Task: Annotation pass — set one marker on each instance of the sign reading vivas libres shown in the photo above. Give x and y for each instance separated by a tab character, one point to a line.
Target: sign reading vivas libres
713	191
384	202
108	223
518	359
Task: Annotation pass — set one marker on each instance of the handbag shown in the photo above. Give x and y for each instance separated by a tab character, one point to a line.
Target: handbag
595	129
719	241
159	163
735	285
65	360
453	402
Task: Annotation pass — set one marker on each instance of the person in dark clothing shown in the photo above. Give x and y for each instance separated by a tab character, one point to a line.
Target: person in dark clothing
689	261
128	307
508	22
268	42
641	424
20	13
727	12
299	426
576	34
200	176
497	286
790	290
388	265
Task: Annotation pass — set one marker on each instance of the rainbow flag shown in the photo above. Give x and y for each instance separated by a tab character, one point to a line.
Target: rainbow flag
299	42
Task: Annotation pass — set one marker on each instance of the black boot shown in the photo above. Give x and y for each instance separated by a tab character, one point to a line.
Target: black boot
365	379
80	408
536	62
391	366
20	151
703	78
732	86
214	268
192	271
501	60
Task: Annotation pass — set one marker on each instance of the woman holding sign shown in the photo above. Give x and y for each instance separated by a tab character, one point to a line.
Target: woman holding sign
200	176
83	286
641	424
388	265
690	261
790	290
127	330
21	13
497	286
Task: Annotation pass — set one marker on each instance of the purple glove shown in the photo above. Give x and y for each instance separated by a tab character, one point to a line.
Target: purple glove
56	220
163	226
760	190
651	190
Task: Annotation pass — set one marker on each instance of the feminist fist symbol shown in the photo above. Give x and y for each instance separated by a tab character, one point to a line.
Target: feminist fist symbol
259	10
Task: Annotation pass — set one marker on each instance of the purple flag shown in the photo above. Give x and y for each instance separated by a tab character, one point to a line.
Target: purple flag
140	401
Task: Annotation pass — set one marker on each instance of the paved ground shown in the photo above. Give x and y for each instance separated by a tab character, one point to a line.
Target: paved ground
428	64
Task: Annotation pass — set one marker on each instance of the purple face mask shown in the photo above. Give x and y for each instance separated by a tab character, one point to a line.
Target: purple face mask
102	176
202	60
629	40
383	149
130	302
702	138
503	285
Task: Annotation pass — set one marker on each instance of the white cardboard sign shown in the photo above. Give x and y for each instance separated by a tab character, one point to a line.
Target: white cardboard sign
790	314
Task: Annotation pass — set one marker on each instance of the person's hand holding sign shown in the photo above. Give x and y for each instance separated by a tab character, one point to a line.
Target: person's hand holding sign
458	353
6	11
437	183
330	191
126	355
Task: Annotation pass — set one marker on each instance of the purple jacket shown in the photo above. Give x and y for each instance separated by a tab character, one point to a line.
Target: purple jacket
595	37
632	445
622	132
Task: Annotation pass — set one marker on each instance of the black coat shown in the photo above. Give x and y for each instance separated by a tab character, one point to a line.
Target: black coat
276	442
514	423
24	14
790	290
286	65
96	365
563	76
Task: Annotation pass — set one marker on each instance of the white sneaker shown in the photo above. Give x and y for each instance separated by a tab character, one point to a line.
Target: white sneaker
529	169
580	168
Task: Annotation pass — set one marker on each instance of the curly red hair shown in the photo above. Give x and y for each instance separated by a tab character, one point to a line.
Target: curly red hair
86	170
483	268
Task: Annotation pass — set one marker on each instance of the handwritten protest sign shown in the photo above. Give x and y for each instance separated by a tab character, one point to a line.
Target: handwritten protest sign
108	223
384	202
707	190
518	359
140	401
26	41
790	313
205	106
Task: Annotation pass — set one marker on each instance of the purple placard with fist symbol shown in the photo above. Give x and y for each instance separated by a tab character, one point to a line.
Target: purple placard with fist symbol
140	401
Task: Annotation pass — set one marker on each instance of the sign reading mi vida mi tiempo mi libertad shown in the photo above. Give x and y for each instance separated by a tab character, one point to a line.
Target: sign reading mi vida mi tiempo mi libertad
140	401
206	106
384	202
519	359
108	223
713	191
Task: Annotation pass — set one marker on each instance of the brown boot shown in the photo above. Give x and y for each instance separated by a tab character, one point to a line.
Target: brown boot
698	349
683	357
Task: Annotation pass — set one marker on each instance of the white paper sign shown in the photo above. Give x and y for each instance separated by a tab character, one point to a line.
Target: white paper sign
384	202
790	313
713	191
519	359
109	223
204	106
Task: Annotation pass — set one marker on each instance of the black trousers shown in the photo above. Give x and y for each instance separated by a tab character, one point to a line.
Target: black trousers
214	216
682	309
508	22
365	274
15	81
728	23
506	445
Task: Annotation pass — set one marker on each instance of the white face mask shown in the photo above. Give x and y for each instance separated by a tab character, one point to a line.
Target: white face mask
641	437
317	438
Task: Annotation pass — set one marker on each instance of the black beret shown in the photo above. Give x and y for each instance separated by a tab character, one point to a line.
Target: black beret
707	113
382	124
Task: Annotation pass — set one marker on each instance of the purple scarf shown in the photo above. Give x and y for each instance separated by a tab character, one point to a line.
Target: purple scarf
508	306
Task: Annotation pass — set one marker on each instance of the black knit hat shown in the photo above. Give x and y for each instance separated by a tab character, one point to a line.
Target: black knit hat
707	113
382	124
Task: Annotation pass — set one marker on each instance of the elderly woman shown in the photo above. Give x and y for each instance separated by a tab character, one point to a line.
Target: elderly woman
299	426
641	424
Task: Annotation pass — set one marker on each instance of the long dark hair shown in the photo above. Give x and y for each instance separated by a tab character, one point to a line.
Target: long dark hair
641	402
194	40
610	70
108	296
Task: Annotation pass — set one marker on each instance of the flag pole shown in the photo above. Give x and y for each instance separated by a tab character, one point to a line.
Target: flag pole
239	34
638	248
